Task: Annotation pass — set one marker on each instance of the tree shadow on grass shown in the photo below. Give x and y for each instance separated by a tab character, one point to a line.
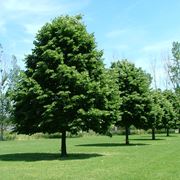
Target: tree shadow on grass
30	157
142	139
160	136
112	144
172	135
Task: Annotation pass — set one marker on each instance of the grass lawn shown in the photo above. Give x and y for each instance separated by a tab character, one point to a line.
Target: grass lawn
92	157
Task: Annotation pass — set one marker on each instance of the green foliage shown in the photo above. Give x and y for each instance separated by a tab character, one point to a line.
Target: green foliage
133	86
170	117
174	99
169	114
156	113
65	86
174	67
162	114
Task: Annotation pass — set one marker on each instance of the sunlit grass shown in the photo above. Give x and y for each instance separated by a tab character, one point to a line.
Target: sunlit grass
93	157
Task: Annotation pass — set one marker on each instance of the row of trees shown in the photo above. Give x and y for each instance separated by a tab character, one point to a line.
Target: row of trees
142	106
66	88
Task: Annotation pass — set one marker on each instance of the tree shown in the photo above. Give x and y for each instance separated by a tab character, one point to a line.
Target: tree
174	67
168	119
65	86
156	112
4	100
4	103
162	114
174	71
174	99
7	79
134	86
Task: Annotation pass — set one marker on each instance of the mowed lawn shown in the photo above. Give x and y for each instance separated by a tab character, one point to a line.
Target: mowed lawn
92	157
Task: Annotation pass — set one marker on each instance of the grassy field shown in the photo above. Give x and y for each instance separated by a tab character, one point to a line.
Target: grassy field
93	157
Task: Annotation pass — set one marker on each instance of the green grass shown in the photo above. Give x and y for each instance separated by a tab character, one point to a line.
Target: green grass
93	157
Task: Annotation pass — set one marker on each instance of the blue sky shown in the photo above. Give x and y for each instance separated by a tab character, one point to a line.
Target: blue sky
140	30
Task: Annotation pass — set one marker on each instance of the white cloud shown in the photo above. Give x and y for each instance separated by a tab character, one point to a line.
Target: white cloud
37	12
157	47
41	6
21	19
21	5
32	6
32	14
129	35
32	28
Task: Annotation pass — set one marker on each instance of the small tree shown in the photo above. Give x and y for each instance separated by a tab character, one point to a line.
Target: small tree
134	86
4	101
168	119
156	113
174	99
4	104
7	79
65	86
162	114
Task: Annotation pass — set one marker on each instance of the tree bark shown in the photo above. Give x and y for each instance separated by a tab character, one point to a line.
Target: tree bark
63	144
127	134
167	131
2	132
153	133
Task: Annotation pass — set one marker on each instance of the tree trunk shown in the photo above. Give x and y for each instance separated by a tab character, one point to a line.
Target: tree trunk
153	133
167	131
127	134
2	133
63	144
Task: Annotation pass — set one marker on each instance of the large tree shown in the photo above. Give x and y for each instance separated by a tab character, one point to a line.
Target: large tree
134	86
65	86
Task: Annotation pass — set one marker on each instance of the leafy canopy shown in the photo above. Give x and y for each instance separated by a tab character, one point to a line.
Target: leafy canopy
133	86
65	86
